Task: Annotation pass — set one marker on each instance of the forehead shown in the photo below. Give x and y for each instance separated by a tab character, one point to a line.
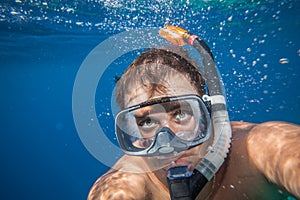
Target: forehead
176	85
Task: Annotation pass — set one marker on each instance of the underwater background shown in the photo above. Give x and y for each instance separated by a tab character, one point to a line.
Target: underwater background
43	44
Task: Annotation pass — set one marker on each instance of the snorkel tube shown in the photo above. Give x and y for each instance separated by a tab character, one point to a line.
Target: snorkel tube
217	152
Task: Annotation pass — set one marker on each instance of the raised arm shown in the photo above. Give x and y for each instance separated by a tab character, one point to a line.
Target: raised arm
121	183
274	147
116	185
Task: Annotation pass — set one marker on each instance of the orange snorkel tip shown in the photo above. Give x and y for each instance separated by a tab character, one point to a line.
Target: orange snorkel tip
174	34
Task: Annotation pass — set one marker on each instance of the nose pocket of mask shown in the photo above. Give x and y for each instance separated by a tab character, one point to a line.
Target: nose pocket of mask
166	142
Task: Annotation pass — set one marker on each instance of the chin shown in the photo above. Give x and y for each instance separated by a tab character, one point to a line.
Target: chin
183	160
163	161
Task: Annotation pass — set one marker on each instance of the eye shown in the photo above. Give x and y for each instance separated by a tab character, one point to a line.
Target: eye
182	115
148	122
147	127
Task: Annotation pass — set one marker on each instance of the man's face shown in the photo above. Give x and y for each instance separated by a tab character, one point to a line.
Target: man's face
176	85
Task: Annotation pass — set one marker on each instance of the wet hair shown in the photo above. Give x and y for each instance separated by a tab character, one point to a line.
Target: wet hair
151	69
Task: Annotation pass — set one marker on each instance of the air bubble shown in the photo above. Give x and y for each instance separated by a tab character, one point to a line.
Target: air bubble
284	61
79	23
70	10
14	13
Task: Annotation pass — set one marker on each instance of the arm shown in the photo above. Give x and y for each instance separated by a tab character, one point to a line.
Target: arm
116	185
274	147
121	182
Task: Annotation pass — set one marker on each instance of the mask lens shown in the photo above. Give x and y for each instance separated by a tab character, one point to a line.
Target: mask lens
137	126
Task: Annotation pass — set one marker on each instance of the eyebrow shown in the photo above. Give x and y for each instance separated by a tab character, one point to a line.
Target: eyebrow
170	106
142	112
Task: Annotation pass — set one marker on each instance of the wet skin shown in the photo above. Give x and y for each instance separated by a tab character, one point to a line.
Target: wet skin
260	154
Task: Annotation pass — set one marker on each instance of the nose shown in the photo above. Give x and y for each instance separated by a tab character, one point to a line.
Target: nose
164	139
168	124
167	142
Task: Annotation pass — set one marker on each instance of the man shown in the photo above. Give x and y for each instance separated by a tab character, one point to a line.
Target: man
259	153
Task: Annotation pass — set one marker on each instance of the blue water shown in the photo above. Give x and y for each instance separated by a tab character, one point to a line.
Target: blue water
42	46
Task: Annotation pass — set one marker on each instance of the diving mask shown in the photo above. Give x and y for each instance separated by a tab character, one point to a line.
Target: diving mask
163	126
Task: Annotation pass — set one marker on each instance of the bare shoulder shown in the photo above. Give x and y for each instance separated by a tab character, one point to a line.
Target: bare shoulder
269	138
274	149
274	131
276	128
259	151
